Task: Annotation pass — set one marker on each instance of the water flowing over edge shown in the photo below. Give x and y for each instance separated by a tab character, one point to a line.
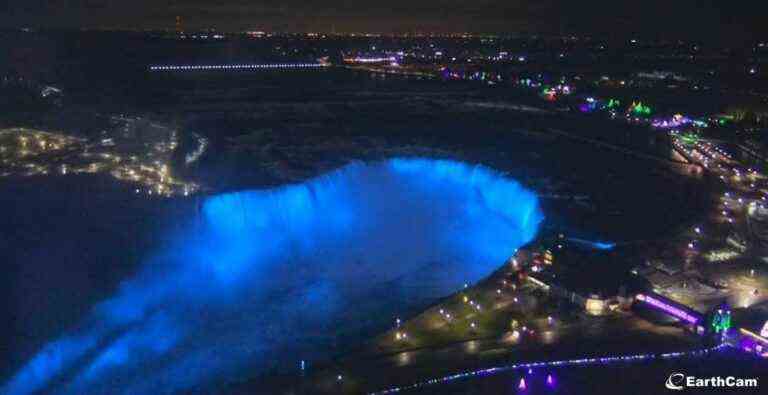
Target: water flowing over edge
258	274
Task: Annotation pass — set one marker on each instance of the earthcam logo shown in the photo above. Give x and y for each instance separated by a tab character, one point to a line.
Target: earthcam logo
679	382
676	382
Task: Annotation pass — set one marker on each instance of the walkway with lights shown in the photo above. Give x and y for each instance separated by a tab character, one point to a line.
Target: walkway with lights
669	306
231	67
555	364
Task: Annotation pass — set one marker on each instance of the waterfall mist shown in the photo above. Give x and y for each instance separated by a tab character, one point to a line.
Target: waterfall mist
262	278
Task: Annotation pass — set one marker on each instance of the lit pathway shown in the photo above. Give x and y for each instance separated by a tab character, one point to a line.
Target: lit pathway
562	363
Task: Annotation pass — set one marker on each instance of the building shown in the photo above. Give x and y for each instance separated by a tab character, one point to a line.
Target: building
597	279
757	225
753	329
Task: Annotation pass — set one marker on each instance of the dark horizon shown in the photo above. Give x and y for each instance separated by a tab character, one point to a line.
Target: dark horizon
686	19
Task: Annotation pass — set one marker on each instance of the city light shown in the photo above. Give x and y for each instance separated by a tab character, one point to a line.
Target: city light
608	360
639	109
761	339
675	121
721	321
672	310
228	67
363	59
29	152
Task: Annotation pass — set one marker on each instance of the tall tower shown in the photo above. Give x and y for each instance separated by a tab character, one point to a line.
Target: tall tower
179	25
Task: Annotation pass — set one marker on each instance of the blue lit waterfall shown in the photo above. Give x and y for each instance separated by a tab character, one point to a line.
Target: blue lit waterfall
266	276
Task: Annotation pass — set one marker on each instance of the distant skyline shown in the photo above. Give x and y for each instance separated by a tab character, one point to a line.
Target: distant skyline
710	20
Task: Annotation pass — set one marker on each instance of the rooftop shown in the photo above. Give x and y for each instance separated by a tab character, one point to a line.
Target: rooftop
589	271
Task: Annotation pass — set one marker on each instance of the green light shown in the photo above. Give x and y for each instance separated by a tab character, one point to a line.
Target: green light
721	321
640	109
689	138
549	93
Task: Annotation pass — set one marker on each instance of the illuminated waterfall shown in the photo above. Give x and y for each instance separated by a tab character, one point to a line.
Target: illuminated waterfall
269	276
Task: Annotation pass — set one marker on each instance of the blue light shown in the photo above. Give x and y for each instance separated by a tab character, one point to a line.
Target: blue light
603	246
593	244
265	275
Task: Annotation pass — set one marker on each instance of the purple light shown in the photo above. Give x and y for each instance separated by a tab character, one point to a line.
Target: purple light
550	380
669	309
673	122
362	59
522	385
558	364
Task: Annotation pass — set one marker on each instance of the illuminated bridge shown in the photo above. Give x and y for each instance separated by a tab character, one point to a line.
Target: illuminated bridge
753	342
233	67
670	307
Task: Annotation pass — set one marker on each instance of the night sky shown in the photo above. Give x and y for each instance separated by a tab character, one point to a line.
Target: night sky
702	19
